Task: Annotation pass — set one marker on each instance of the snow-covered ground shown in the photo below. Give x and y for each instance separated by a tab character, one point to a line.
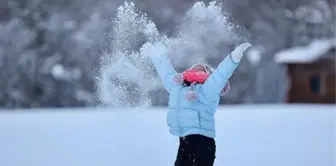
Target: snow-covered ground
273	135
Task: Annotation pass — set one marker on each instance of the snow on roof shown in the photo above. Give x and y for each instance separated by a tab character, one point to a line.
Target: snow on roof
305	54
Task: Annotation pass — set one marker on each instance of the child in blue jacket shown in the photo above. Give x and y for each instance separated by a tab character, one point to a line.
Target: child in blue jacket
192	105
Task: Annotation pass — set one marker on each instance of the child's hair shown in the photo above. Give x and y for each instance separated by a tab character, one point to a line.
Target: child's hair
186	83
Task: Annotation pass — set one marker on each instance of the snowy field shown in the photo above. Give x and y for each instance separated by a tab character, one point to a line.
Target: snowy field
273	135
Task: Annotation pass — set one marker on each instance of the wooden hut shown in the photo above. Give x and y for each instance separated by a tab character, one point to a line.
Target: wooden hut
311	72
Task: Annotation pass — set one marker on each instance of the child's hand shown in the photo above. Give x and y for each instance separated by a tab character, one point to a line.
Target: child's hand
238	52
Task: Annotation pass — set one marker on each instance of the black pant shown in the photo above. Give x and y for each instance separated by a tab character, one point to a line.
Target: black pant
196	150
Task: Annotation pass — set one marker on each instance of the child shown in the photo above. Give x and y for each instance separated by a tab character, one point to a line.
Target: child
193	98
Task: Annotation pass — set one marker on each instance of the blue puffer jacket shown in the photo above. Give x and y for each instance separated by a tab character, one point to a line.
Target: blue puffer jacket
193	117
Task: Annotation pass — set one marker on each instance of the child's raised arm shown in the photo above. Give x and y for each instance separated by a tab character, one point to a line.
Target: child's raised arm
217	80
161	62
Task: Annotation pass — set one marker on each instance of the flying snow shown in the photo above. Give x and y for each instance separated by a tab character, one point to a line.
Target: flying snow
127	77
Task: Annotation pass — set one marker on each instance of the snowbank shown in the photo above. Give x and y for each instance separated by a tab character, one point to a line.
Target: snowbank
247	136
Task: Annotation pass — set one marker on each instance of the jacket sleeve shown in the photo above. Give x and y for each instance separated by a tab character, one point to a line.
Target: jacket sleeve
217	80
165	70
